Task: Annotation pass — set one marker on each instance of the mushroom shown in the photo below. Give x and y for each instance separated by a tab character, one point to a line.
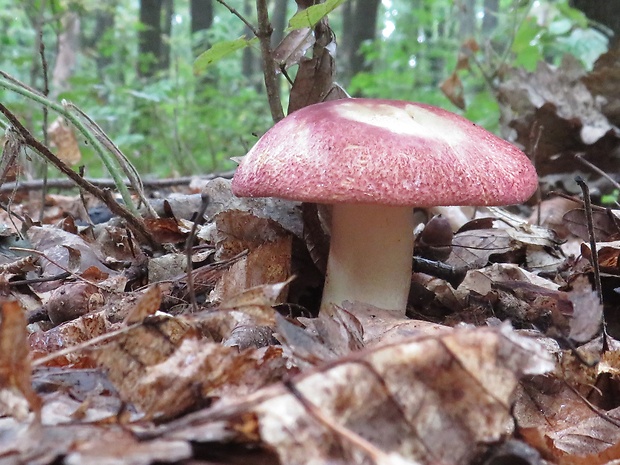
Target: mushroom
373	161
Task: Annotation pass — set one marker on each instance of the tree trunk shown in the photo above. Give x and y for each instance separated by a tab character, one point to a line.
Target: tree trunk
278	21
201	12
68	48
97	39
154	52
250	66
359	25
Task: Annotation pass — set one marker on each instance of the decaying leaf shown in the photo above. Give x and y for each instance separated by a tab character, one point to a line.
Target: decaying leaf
293	47
452	87
605	224
146	305
62	251
431	399
15	369
267	262
587	314
555	102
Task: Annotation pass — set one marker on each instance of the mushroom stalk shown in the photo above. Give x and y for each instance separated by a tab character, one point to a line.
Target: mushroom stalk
370	256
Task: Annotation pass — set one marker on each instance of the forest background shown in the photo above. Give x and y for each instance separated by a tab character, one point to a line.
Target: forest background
130	65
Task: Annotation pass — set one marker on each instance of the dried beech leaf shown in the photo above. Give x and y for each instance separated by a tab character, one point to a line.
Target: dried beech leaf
68	334
556	99
429	399
474	248
197	370
165	230
587	317
380	326
324	338
306	348
268	263
604	225
80	443
15	369
237	231
314	81
293	47
62	137
128	357
452	87
146	305
265	295
56	245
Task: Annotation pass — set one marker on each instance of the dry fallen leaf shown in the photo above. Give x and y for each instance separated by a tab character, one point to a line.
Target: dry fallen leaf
430	399
15	368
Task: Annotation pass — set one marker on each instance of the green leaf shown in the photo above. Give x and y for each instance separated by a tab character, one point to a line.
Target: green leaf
219	51
312	15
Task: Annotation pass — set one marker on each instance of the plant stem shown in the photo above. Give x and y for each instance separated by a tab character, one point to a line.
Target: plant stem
269	65
134	222
107	160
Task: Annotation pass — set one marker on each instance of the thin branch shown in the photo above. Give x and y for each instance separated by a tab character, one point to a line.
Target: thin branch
133	222
188	250
595	263
596	169
240	16
263	33
102	183
12	84
269	65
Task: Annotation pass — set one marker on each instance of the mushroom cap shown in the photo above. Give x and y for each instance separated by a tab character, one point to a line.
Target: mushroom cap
384	152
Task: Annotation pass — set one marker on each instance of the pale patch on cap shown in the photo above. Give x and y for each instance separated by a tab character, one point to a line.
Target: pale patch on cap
409	120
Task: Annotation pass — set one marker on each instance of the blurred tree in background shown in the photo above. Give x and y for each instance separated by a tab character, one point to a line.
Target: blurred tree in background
129	64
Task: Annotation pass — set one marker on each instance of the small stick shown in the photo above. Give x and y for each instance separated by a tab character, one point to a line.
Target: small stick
240	16
597	170
188	250
588	207
534	162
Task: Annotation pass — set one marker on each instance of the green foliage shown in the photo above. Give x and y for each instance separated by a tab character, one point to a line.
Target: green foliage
611	199
558	30
310	16
219	51
176	122
195	116
422	50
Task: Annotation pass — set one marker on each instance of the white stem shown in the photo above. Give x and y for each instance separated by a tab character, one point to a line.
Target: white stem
370	256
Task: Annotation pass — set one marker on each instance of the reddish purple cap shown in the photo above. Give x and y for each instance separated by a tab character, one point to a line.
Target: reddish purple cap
384	152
